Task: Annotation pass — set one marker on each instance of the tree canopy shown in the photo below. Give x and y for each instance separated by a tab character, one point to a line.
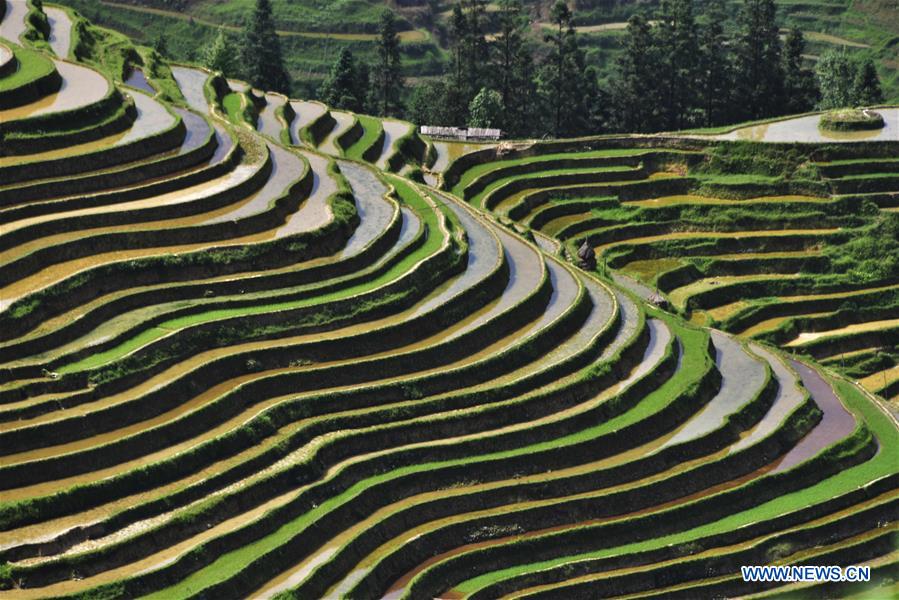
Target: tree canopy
261	59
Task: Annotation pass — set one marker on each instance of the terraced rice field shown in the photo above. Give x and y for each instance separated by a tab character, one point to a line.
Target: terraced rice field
761	256
246	361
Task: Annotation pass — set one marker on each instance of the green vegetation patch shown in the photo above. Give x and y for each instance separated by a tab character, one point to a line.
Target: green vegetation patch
851	119
32	66
372	133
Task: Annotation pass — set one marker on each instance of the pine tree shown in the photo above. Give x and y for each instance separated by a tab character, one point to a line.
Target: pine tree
636	98
715	77
220	55
262	60
678	47
160	46
563	83
555	75
458	99
866	90
477	55
759	75
390	78
800	90
513	68
343	88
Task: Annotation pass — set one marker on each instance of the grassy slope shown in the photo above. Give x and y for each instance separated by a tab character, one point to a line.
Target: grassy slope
308	58
32	65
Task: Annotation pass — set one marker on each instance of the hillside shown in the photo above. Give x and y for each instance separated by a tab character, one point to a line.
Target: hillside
253	346
315	31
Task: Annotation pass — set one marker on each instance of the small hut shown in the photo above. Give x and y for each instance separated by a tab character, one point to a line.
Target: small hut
586	257
658	300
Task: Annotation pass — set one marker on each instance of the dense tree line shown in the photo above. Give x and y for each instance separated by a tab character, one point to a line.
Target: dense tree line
676	70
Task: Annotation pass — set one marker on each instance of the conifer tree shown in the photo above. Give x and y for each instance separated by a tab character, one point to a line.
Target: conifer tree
800	89
636	98
715	77
678	48
513	69
477	54
759	76
344	86
160	46
389	75
866	90
557	68
262	61
456	94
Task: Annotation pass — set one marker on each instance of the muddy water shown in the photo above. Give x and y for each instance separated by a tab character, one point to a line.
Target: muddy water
448	151
546	243
484	254
268	123
193	193
138	80
61	525
789	397
742	377
239	86
836	424
85	548
286	166
188	194
642	291
13	24
294	577
526	270
196	133
806	130
152	562
168	375
152	118
393	130
660	337
138	427
80	149
60	31
60	271
329	144
306	112
81	87
375	211
191	82
397	588
6	55
314	212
